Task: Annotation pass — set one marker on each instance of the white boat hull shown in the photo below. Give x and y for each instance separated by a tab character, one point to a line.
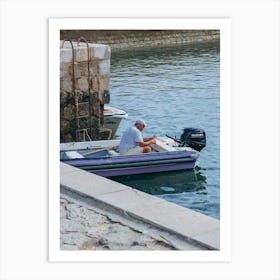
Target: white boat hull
113	118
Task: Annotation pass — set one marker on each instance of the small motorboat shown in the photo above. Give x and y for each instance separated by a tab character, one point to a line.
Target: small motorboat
168	154
112	118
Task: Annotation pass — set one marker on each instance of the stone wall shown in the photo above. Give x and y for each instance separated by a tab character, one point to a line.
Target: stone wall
84	89
127	39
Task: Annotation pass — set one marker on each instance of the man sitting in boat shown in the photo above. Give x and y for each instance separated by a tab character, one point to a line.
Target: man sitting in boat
133	143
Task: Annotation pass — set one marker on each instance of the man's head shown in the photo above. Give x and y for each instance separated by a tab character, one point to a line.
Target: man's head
140	124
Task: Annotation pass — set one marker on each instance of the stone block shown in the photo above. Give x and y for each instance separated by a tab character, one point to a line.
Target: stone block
211	238
99	51
73	239
68	112
66	55
89	184
65	169
80	53
66	84
76	212
83	123
104	82
82	84
97	232
83	52
66	69
64	126
130	199
94	83
93	68
83	96
83	109
104	67
81	69
65	97
94	98
68	226
68	137
178	219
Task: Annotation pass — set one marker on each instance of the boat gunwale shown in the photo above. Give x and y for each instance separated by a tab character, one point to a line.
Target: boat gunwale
136	163
154	156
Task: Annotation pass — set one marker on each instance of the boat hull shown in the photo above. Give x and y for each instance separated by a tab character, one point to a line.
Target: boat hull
112	123
144	170
137	164
112	118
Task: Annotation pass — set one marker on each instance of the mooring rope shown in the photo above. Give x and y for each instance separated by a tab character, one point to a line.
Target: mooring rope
86	134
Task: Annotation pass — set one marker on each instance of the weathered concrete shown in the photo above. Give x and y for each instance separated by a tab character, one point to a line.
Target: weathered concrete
84	89
183	228
84	226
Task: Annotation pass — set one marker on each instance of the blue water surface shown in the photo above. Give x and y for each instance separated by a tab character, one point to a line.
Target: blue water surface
172	88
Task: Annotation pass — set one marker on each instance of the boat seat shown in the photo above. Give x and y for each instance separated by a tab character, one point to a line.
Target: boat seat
73	154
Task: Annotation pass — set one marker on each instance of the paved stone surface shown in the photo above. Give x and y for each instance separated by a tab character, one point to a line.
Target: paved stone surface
84	228
176	223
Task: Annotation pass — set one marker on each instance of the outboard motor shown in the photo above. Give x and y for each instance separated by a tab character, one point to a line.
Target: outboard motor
194	138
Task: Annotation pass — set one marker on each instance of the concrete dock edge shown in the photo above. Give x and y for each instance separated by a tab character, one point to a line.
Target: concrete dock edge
187	225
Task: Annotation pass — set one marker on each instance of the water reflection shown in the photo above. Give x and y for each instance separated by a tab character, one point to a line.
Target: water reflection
166	182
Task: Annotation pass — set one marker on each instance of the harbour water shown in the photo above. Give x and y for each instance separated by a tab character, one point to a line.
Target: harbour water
172	88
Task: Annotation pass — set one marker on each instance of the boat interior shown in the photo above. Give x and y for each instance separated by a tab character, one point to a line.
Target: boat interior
162	145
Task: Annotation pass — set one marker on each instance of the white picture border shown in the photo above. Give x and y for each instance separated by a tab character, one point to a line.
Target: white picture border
255	104
222	24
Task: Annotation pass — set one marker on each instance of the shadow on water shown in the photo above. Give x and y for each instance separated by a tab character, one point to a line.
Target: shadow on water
173	182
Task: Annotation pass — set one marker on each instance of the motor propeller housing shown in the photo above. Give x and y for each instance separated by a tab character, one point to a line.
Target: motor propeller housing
194	138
